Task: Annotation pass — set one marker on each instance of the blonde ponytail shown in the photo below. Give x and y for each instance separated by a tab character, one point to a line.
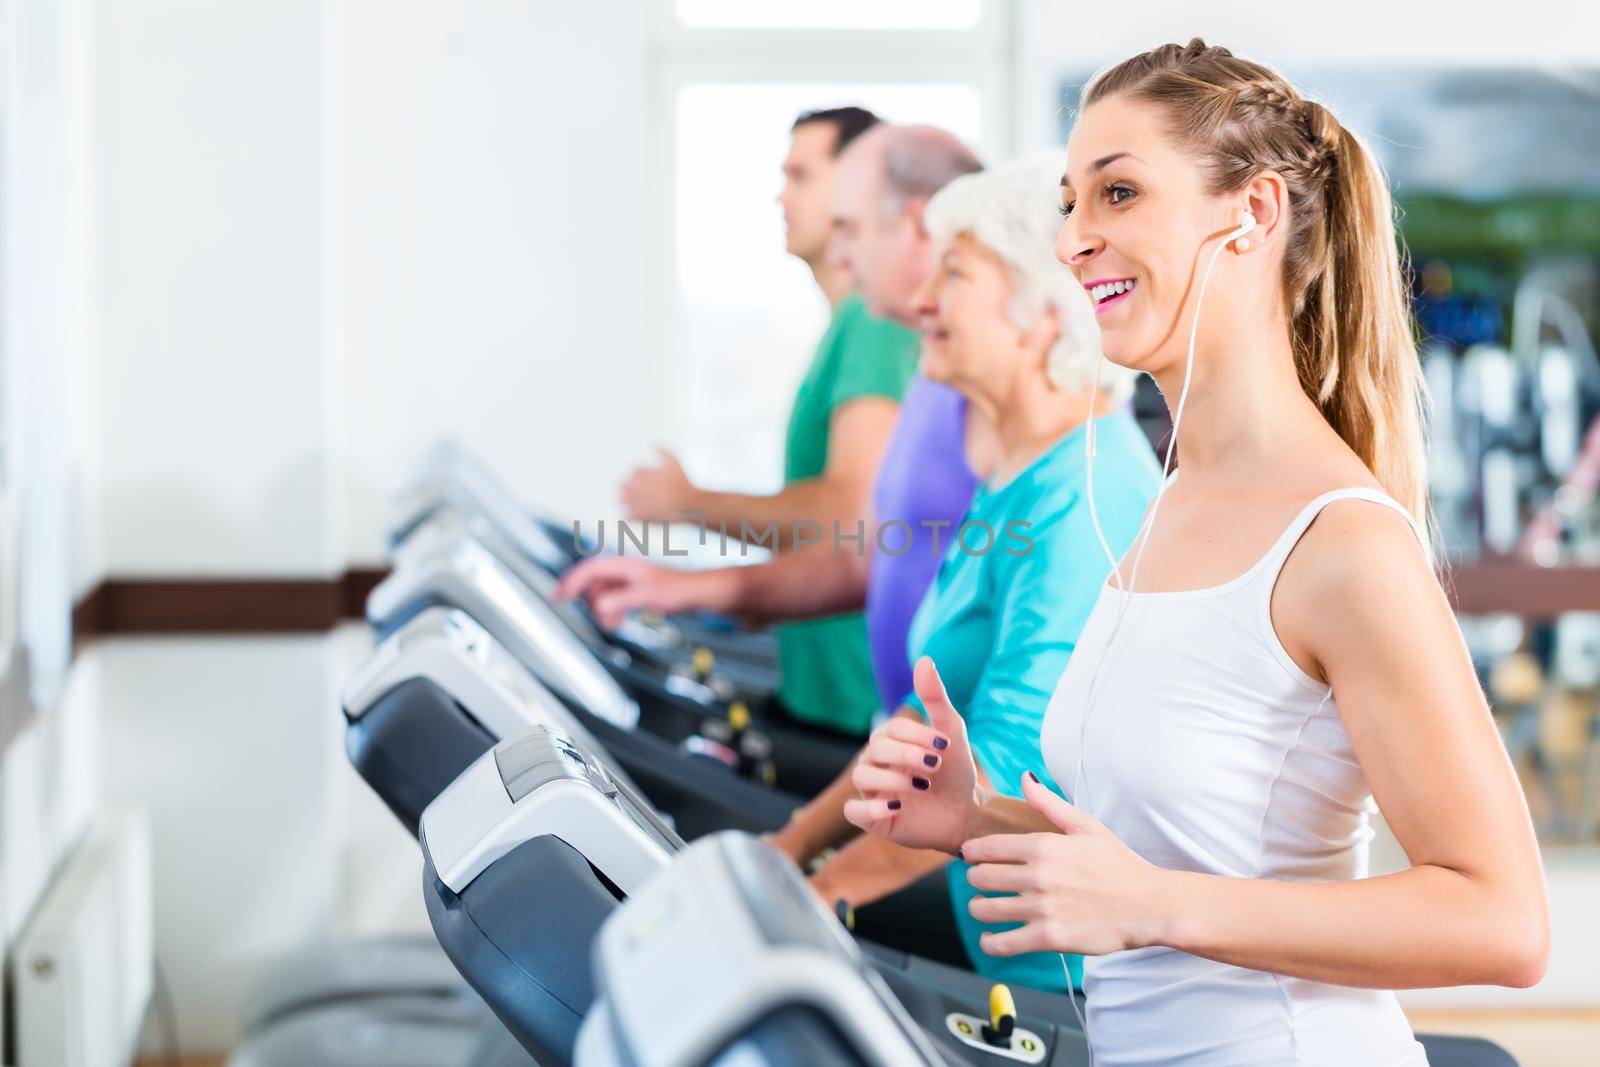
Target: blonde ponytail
1354	346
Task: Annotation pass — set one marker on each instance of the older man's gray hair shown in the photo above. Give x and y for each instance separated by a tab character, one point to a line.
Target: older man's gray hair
916	162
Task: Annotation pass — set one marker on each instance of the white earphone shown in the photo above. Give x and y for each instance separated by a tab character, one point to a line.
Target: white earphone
1247	222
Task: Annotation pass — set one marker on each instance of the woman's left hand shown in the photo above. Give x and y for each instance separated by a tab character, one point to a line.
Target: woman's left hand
1081	890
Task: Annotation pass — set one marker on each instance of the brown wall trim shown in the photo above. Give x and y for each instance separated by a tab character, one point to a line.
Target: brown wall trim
222	605
315	605
89	614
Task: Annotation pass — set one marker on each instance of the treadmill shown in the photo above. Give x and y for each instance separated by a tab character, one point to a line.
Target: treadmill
727	959
531	850
440	691
432	697
394	995
461	573
653	646
448	476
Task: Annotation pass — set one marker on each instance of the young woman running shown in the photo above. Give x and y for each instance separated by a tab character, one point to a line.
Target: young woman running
1274	654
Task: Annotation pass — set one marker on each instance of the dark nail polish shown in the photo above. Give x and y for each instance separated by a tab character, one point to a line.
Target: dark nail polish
1034	778
941	743
960	855
894	805
920	783
931	761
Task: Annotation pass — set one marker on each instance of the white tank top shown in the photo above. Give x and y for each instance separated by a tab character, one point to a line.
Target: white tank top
1208	749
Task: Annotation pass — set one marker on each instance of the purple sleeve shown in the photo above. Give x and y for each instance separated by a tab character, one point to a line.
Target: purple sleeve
923	480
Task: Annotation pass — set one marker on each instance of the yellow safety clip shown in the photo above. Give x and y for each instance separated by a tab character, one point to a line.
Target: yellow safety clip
739	716
1002	1015
702	661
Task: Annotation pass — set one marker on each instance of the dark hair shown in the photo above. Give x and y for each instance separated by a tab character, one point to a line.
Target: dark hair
848	123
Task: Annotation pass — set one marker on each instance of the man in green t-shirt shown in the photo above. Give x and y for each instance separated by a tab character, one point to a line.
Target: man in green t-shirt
842	418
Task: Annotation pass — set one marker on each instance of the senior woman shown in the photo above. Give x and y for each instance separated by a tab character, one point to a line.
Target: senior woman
1010	328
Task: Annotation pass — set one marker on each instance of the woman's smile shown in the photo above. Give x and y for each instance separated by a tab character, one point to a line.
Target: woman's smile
1109	291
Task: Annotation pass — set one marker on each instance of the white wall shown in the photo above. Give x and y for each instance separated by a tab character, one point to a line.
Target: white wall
210	300
233	746
491	227
327	233
322	233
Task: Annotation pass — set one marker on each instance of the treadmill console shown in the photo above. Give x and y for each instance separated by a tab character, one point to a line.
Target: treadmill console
726	939
543	783
449	523
465	575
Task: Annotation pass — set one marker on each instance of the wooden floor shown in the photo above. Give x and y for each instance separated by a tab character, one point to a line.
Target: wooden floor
1536	1039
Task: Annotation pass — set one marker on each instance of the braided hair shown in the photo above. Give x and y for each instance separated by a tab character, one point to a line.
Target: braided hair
1343	270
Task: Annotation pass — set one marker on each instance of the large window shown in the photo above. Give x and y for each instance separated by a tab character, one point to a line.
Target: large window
739	317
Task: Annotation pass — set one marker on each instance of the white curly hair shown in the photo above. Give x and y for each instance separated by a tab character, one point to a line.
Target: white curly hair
1013	210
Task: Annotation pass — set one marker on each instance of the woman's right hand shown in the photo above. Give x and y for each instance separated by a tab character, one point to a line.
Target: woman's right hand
918	782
